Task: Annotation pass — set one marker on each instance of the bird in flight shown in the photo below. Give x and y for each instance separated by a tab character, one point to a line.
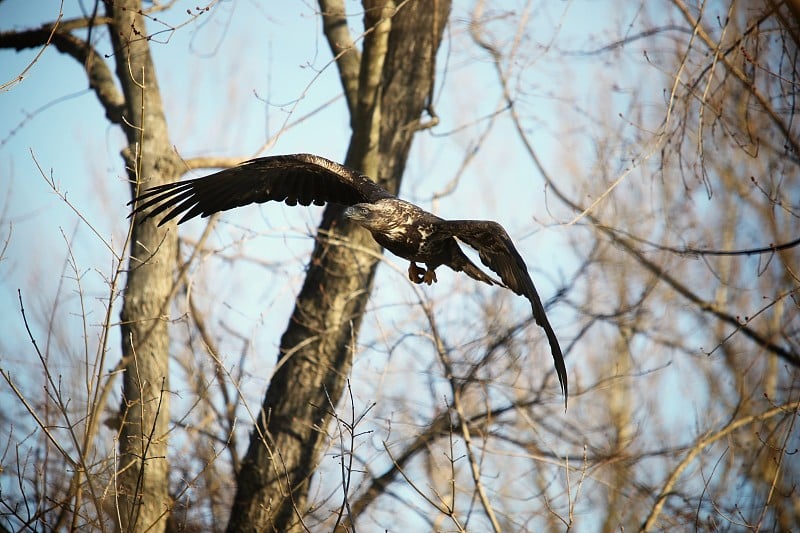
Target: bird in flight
401	227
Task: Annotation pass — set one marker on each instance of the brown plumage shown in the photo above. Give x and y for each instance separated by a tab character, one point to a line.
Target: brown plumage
399	226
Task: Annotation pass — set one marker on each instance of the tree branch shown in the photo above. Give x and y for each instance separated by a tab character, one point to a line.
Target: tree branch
787	355
100	77
702	444
347	56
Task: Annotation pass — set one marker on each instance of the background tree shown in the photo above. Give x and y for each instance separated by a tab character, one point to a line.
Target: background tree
644	158
142	472
387	88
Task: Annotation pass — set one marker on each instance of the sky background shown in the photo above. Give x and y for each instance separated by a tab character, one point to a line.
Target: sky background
231	80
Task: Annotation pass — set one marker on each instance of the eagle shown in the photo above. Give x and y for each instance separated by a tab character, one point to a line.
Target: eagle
401	227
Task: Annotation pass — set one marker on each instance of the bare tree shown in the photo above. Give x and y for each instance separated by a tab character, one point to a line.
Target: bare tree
387	87
698	266
142	473
645	162
143	482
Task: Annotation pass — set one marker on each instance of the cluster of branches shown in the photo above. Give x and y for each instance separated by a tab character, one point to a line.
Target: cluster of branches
685	265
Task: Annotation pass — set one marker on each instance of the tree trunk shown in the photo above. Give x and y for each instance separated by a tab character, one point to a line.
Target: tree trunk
142	482
395	79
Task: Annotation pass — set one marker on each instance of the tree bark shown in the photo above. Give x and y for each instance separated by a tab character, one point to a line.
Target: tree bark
142	471
395	80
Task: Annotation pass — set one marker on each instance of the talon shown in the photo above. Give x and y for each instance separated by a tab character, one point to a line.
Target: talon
429	277
416	274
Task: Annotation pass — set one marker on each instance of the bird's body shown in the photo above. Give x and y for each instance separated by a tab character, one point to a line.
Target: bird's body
401	227
414	234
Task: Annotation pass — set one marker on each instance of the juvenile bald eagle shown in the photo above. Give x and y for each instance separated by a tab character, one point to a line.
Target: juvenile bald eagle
401	227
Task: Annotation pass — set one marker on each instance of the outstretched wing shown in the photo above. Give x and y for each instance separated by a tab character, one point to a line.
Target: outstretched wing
303	179
497	252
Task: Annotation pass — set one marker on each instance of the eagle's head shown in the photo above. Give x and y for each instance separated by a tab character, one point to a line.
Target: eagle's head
359	212
383	216
372	216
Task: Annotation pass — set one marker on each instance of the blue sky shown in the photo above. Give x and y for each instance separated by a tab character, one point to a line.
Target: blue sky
230	80
228	89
